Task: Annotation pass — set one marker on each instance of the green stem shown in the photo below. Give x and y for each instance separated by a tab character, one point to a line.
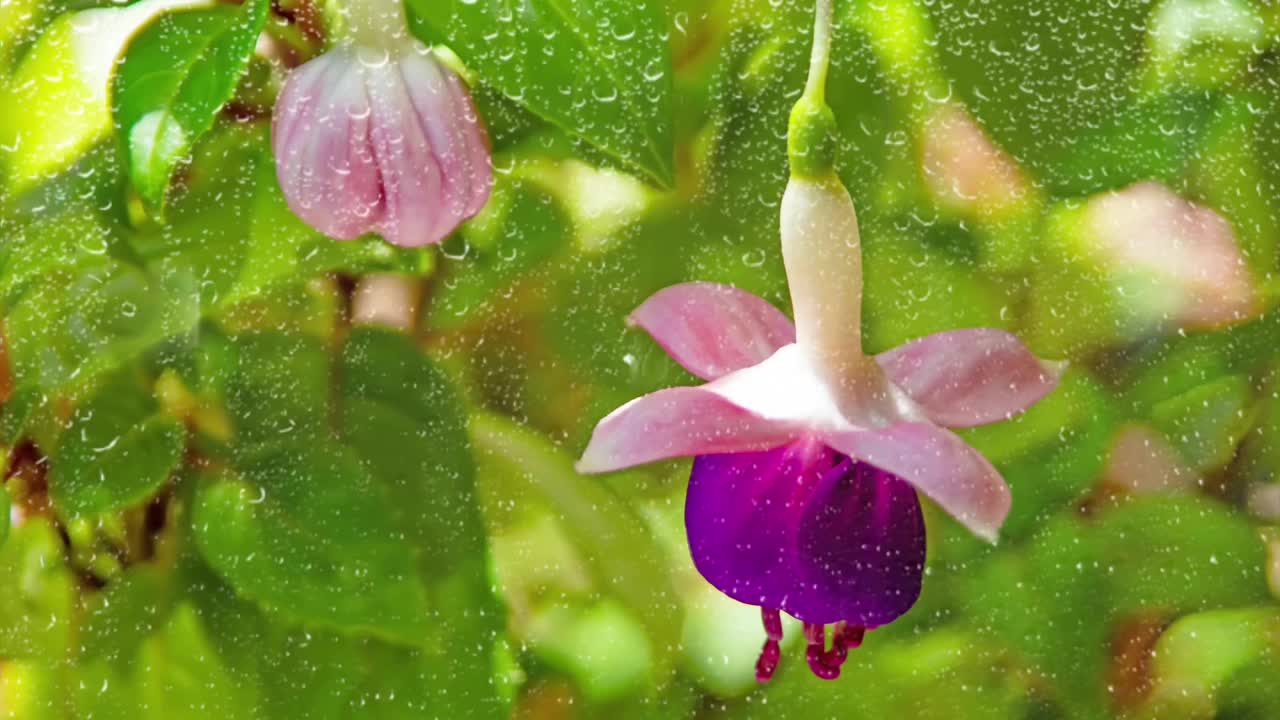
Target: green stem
820	58
379	24
811	137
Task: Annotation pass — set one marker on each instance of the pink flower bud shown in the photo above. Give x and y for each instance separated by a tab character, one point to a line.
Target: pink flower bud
371	140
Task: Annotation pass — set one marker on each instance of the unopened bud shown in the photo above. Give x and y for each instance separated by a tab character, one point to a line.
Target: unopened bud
377	140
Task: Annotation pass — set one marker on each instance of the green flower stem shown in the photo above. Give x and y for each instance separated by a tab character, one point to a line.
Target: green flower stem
379	24
820	59
811	136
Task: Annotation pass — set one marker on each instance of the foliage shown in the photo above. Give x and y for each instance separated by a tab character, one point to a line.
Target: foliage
233	497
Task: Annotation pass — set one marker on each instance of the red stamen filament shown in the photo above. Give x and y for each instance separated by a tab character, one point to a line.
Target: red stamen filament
823	662
826	663
772	652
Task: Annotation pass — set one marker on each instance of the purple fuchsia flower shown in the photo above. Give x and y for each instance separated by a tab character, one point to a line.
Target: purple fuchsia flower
808	453
377	135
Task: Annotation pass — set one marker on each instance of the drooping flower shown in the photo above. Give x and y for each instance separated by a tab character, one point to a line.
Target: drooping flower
378	135
808	453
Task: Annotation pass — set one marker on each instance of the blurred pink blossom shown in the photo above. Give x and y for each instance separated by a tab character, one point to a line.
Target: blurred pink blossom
964	170
1201	278
1142	462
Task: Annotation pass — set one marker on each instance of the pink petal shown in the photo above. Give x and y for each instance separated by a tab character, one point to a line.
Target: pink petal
678	422
320	137
459	142
713	329
970	377
939	464
413	184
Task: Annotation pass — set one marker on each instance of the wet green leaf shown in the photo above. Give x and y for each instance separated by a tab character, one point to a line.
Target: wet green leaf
399	412
614	542
1198	655
303	530
74	324
175	673
522	228
1041	81
173	79
118	449
1208	422
36	595
278	388
68	67
600	71
120	618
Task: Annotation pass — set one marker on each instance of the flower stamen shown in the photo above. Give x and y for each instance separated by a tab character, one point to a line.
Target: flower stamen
826	663
772	651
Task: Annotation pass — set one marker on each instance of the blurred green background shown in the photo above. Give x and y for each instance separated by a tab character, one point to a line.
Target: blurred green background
254	473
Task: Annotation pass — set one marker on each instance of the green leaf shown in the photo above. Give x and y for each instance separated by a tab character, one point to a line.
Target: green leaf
176	674
614	542
16	19
1202	45
48	242
15	413
36	594
328	677
1207	423
311	673
1199	654
118	449
1040	81
601	646
1055	600
1231	176
1184	554
73	324
1051	454
68	68
172	81
279	388
34	690
401	415
601	70
126	613
947	673
1154	139
303	530
521	228
908	275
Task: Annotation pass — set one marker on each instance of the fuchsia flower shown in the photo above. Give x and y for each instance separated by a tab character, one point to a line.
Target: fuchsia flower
803	492
808	453
377	135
